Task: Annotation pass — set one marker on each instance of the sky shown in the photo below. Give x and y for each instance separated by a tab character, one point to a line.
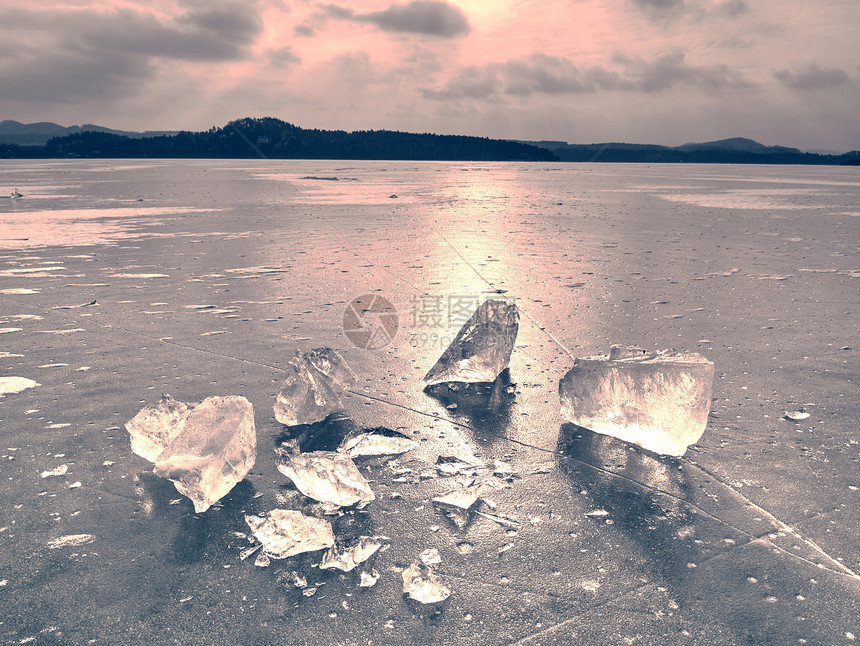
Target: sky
782	72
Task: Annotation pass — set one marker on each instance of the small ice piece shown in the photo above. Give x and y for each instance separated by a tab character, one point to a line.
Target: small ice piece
327	476
285	533
457	504
369	579
464	498
482	348
71	540
12	385
430	556
422	583
657	400
312	387
205	449
349	559
369	444
59	471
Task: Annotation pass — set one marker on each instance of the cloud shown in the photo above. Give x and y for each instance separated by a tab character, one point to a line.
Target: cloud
283	57
731	8
554	75
428	17
89	56
660	9
670	69
812	76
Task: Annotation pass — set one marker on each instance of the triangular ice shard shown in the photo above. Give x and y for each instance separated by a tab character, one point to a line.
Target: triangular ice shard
482	348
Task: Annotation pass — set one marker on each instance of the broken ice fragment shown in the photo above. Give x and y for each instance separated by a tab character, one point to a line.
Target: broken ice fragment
153	428
312	387
368	580
11	385
59	471
457	504
376	444
327	476
463	498
430	556
658	400
204	449
72	540
285	533
349	559
482	348
421	583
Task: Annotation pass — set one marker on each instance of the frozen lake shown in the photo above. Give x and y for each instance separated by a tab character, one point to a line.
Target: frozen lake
121	280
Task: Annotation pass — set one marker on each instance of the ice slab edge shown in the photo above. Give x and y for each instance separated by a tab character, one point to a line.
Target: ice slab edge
658	400
482	348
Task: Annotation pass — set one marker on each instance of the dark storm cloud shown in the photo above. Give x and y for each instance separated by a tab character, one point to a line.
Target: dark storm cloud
553	75
428	17
812	76
660	9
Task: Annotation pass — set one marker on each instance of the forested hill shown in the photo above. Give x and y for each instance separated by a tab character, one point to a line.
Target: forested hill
275	139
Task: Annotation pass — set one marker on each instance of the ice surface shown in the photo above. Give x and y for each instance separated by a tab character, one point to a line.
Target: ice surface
368	444
285	533
658	400
350	558
204	449
312	387
422	583
327	476
482	348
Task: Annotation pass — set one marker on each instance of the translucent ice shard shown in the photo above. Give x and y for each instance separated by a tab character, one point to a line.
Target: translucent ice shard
204	449
457	505
285	533
376	444
350	558
658	400
422	583
327	476
312	387
482	348
153	428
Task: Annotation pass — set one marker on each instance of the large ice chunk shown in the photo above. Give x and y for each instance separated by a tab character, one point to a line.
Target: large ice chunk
312	387
327	476
204	449
482	348
285	533
658	400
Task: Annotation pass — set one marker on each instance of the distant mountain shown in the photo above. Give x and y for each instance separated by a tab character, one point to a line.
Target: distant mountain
736	150
38	134
738	144
272	138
